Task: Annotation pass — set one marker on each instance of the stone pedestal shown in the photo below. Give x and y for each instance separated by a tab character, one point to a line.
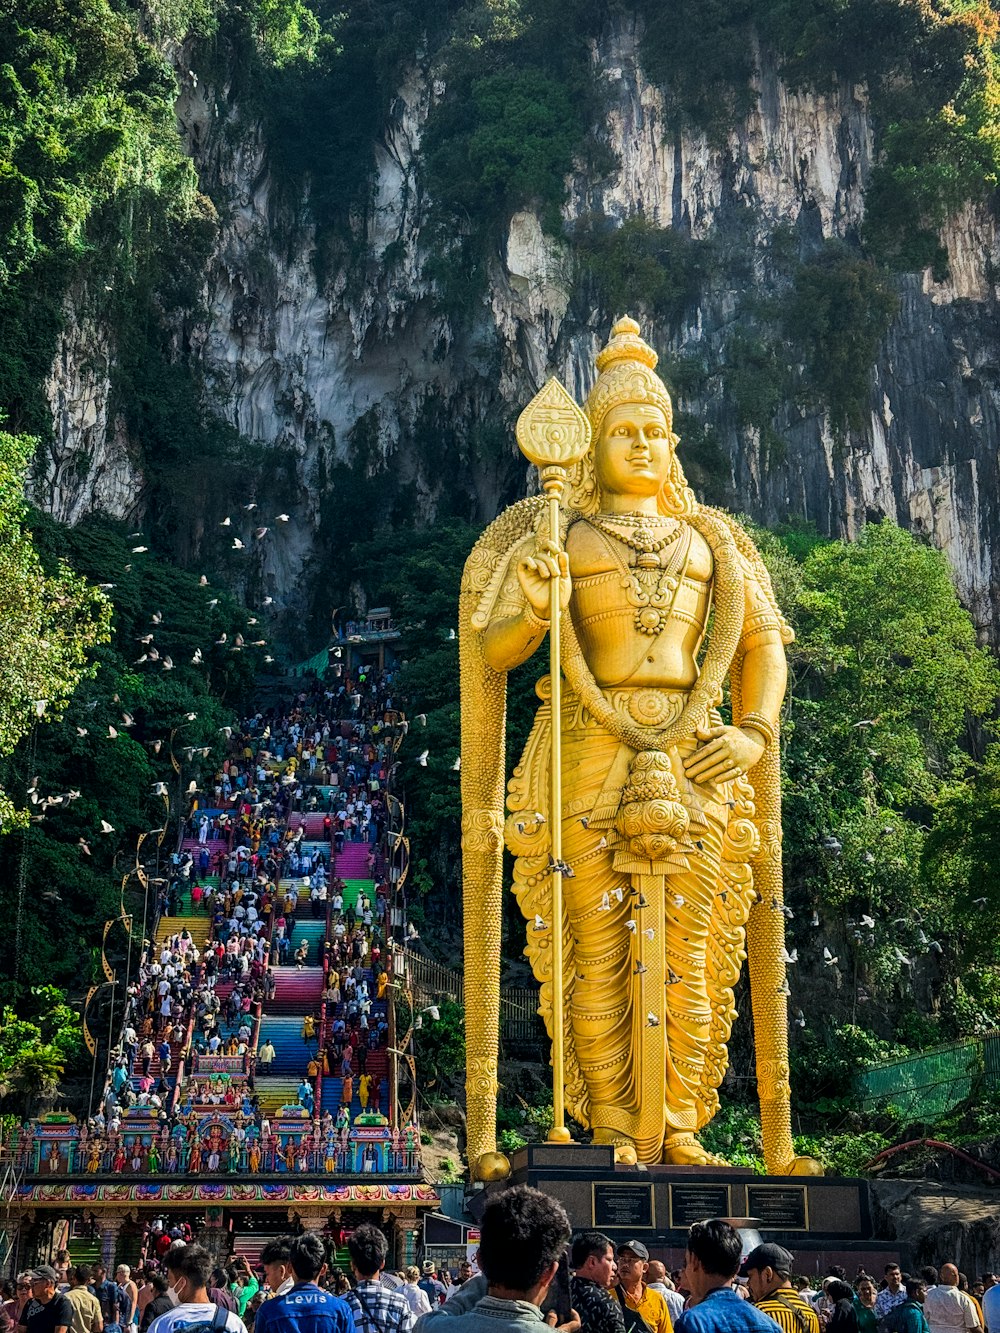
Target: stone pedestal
822	1220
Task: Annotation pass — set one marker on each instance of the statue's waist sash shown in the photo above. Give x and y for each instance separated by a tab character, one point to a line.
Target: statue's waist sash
596	764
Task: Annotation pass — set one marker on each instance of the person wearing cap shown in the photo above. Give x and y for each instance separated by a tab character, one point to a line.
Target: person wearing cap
433	1289
769	1278
635	1295
48	1311
711	1262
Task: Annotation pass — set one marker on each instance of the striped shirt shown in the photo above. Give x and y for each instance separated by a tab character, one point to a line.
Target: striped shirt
790	1311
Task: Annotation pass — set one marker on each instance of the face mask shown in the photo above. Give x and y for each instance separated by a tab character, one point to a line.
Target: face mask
174	1295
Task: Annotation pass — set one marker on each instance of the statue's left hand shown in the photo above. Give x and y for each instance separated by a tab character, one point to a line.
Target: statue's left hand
727	753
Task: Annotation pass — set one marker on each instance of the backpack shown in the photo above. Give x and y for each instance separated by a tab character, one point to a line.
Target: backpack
216	1324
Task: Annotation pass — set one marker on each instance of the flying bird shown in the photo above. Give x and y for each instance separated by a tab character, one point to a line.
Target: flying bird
260	533
40	706
168	664
283	518
226	522
112	732
138	550
157	617
422	759
106	827
237	544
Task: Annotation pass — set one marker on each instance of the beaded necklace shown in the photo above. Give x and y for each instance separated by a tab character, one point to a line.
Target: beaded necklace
651	588
642	539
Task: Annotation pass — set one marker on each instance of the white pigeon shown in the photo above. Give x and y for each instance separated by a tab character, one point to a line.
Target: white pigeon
422	759
106	827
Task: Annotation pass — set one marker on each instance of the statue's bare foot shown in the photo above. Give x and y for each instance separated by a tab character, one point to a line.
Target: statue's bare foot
625	1153
685	1150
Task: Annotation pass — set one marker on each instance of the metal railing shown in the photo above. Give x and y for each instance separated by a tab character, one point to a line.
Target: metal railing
519	1018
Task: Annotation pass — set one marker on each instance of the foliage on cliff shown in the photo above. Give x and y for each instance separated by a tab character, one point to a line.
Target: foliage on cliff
929	66
50	623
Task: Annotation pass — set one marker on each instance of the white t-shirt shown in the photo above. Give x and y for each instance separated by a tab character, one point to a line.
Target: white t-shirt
194	1312
947	1309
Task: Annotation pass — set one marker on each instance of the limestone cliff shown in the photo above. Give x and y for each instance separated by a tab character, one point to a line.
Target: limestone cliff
297	362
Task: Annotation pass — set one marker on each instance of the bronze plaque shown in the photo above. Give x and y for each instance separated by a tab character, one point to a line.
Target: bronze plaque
694	1203
621	1207
779	1207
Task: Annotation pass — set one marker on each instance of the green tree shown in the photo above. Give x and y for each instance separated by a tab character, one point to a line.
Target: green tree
35	1052
49	622
886	678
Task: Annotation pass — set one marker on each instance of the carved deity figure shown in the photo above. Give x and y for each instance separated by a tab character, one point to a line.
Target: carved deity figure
670	815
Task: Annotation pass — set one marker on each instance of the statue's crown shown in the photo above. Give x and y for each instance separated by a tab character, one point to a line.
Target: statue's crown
627	374
625	344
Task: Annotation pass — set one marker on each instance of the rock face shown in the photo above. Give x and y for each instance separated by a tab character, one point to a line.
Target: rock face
297	363
89	464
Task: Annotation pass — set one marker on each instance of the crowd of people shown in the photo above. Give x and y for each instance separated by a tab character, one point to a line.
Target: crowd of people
248	868
529	1272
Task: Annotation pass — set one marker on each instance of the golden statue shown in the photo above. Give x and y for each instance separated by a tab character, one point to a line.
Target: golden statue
646	831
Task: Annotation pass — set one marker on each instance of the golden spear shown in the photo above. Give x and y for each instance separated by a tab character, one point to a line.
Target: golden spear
554	434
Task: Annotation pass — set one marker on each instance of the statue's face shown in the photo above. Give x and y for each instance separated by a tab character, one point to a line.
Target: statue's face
632	454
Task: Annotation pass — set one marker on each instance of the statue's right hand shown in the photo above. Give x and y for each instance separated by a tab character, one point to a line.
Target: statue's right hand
535	574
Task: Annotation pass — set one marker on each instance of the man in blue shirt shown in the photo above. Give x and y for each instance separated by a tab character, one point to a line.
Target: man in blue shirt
712	1261
306	1308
